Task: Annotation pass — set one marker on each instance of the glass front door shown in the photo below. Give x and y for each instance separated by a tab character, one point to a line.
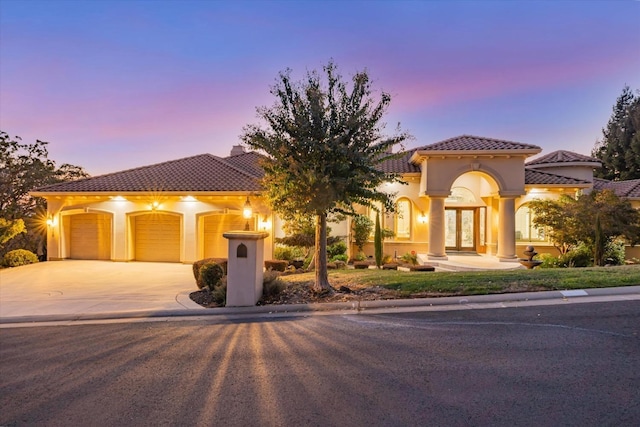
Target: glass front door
459	232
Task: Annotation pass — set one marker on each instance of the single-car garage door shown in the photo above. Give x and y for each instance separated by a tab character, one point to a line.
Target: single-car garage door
157	237
215	245
90	236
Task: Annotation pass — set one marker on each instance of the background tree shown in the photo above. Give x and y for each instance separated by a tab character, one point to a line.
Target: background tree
377	241
323	142
619	148
10	229
362	228
560	228
594	219
24	167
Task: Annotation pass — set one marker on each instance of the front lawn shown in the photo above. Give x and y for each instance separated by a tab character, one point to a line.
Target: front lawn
416	284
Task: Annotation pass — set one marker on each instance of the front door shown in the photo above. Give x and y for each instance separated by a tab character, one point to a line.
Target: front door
459	232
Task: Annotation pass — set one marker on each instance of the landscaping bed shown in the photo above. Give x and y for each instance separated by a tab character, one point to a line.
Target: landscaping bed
374	284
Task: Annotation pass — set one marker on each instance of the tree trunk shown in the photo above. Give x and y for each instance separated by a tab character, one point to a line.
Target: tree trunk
321	284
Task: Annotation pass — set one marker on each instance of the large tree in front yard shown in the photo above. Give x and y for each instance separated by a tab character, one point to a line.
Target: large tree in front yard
323	139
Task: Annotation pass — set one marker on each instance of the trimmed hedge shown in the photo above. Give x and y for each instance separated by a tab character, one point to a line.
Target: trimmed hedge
19	257
276	265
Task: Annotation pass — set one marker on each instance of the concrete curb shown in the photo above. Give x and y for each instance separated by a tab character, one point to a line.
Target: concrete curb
345	307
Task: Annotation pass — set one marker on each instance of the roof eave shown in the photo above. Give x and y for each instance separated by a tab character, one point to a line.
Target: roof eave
141	193
418	155
561	164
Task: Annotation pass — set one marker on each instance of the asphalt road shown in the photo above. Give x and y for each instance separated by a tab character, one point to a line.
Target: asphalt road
569	365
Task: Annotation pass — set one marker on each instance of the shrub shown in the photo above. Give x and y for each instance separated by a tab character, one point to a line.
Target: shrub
410	258
549	261
614	253
288	253
211	274
360	256
19	257
338	248
200	263
219	292
272	284
580	256
276	265
340	257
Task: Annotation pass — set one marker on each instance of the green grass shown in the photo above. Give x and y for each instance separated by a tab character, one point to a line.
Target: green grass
481	282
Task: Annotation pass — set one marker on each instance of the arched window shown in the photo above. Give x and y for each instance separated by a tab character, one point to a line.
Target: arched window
526	231
402	223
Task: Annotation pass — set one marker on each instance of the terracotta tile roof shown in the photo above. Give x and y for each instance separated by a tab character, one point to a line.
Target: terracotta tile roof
536	177
247	162
400	165
629	189
562	156
476	143
202	173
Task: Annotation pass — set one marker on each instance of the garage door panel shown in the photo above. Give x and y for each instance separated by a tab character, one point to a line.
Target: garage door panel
157	238
215	245
90	236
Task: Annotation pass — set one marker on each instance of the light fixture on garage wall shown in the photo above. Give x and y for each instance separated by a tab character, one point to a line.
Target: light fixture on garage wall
247	213
155	205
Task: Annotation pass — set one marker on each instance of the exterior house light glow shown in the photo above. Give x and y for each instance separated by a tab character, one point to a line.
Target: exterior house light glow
264	223
247	213
423	218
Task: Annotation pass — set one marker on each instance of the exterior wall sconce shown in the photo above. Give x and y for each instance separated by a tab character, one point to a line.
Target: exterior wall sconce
264	223
247	213
155	205
50	221
423	218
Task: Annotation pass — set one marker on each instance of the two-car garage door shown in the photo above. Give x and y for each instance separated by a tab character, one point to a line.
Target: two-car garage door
156	237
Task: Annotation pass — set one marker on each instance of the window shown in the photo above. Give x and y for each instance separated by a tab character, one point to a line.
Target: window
525	230
403	219
461	195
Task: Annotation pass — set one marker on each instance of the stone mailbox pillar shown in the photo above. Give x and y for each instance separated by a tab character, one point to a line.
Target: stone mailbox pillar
244	268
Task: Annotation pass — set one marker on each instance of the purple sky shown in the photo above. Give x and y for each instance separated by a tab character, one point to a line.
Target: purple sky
119	84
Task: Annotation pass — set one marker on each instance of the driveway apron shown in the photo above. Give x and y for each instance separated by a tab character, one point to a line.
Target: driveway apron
91	287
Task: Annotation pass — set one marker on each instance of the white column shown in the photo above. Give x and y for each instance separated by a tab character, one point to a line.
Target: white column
506	229
436	228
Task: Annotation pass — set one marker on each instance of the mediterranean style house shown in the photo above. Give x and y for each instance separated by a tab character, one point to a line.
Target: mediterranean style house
464	194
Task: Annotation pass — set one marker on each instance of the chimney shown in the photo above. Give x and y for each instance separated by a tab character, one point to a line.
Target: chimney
237	150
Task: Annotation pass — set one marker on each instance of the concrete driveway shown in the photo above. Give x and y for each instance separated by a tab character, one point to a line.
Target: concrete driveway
94	287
